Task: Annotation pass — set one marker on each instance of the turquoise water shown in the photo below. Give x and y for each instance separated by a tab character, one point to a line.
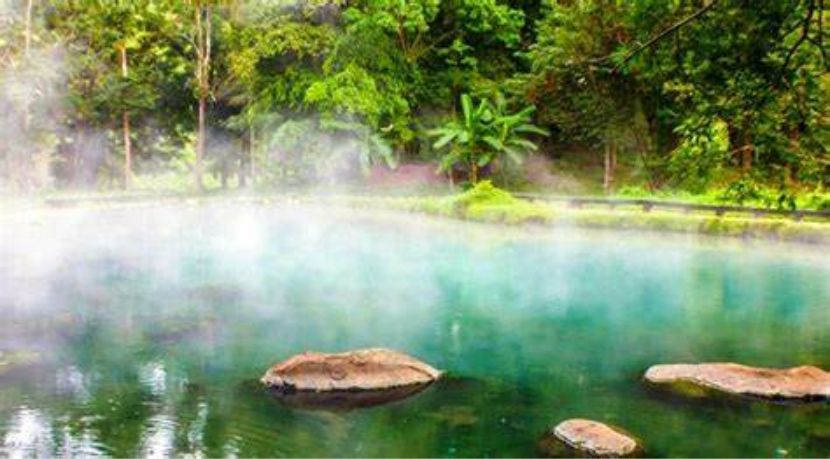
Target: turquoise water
144	331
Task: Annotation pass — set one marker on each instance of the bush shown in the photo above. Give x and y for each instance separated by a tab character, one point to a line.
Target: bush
485	202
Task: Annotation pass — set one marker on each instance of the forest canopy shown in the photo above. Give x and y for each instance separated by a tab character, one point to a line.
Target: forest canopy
688	95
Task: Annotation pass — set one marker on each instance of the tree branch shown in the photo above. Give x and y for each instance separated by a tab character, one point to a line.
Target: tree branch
654	40
805	35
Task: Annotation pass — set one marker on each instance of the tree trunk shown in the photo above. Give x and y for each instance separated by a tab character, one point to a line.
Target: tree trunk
747	152
746	156
224	173
20	161
642	151
28	32
252	150
203	45
125	122
200	144
606	179
242	171
473	172
73	153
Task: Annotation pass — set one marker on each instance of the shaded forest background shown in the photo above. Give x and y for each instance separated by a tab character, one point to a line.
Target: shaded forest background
725	98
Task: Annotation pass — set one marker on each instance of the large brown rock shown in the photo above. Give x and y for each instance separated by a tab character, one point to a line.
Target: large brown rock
586	438
363	370
804	383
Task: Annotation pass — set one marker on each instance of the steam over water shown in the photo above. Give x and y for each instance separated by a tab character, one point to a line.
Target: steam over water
144	331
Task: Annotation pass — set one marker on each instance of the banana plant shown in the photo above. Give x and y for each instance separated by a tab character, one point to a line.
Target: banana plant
484	132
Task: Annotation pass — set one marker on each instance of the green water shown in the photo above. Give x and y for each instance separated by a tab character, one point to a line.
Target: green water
144	331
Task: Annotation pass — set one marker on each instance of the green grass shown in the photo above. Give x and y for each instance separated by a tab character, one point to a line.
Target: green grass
805	200
580	173
730	226
486	203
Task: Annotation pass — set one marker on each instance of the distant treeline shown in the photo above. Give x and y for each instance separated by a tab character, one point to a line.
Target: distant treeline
694	93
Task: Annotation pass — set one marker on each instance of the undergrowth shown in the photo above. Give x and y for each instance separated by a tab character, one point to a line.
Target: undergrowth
483	202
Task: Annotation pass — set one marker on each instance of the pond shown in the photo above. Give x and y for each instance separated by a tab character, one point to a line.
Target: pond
143	331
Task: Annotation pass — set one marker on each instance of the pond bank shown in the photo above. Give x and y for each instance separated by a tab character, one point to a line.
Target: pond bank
488	205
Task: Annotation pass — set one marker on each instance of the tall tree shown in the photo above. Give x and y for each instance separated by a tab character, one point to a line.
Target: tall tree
125	122
694	72
126	59
202	44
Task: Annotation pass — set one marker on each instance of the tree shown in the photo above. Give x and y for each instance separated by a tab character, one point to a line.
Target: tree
483	133
654	76
202	43
572	82
29	80
395	59
735	65
125	60
272	56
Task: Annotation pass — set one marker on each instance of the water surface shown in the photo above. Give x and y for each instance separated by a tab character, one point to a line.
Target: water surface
143	331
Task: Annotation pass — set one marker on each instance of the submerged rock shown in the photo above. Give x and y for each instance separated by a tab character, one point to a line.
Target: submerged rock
804	383
586	438
363	370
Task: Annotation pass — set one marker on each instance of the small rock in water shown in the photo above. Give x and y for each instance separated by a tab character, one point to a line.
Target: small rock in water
804	383
351	379
586	438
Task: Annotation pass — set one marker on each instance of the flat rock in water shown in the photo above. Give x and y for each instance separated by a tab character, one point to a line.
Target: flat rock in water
362	370
583	437
804	383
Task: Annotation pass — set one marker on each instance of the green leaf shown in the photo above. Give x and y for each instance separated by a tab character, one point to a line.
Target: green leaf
531	129
443	141
467	108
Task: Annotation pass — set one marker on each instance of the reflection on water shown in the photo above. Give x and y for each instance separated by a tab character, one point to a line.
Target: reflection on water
159	436
72	382
29	433
144	333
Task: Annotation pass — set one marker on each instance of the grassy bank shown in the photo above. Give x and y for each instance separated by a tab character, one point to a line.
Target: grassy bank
486	203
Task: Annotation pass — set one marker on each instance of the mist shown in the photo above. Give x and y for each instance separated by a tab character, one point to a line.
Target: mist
182	296
193	192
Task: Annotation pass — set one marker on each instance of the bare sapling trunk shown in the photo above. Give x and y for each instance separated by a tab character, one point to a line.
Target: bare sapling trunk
242	171
203	45
747	153
606	178
252	150
28	32
21	161
200	144
125	122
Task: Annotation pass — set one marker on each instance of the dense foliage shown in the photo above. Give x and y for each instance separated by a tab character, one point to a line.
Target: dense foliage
484	133
690	95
